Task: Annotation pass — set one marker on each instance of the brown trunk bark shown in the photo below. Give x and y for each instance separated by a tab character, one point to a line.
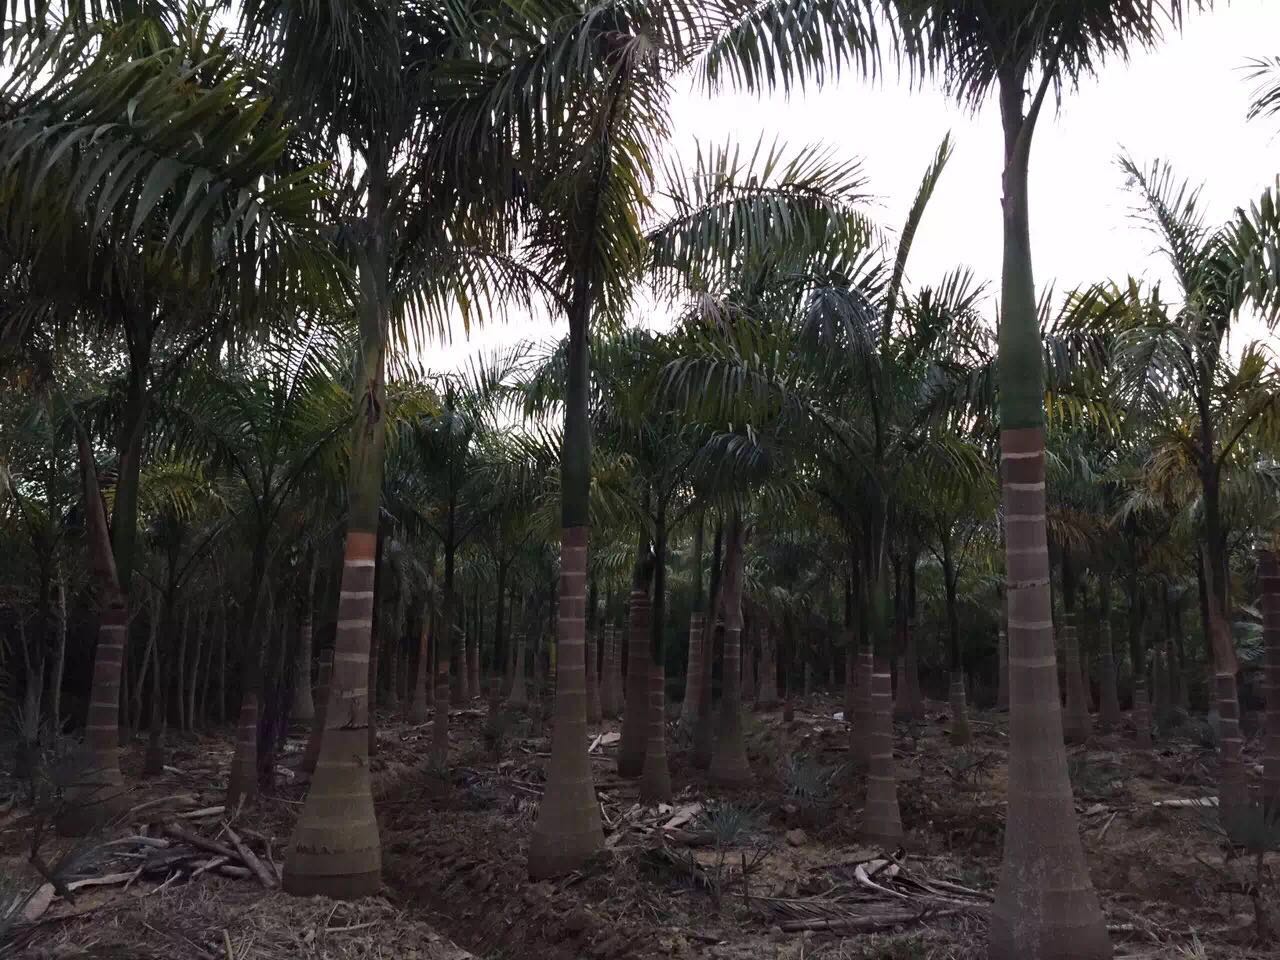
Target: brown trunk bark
1269	581
568	830
519	696
1045	902
312	753
335	850
729	764
1109	714
693	676
423	694
882	819
611	694
636	711
1002	654
101	790
768	690
961	734
1141	714
705	722
860	731
655	778
595	712
1075	722
1233	791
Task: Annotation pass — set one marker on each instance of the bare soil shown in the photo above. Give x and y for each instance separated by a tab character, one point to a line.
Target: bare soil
670	882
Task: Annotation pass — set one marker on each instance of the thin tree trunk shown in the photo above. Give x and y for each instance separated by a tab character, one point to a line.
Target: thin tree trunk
655	777
423	693
694	668
729	764
961	734
304	707
1109	715
180	675
60	657
704	726
195	672
519	696
1045	907
767	691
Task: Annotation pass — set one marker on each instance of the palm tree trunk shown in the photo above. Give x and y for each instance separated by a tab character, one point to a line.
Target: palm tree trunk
304	707
100	793
768	689
636	707
1045	906
704	724
1002	655
312	753
729	764
961	734
422	689
242	784
655	777
1109	714
595	711
693	669
1075	725
882	819
568	830
1269	582
60	656
334	850
194	676
519	696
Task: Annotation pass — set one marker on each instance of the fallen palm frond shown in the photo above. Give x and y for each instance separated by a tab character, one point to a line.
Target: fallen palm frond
872	895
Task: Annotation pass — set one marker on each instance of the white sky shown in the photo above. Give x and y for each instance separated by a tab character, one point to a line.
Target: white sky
1184	102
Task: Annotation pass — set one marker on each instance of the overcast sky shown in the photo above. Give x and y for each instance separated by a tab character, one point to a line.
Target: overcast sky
1184	102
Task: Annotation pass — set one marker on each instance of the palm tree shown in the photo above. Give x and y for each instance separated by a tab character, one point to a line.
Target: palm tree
1045	906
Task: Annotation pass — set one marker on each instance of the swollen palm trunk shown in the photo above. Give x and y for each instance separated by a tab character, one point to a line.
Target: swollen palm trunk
312	753
334	850
655	778
636	711
1045	907
568	830
883	821
1269	581
100	792
1076	722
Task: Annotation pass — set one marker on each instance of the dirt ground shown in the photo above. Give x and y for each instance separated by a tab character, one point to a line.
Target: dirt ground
671	881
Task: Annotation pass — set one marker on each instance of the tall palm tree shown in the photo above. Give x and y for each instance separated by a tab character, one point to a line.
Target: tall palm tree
1046	906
